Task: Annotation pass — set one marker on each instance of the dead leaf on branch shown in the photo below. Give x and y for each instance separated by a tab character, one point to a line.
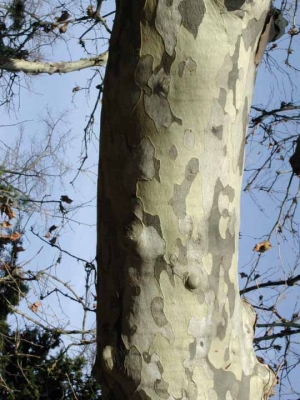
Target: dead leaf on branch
53	241
90	11
66	199
9	238
63	28
262	246
6	224
35	306
52	228
6	209
76	89
63	17
18	249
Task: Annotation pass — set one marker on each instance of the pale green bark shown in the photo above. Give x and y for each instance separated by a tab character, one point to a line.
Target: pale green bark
178	89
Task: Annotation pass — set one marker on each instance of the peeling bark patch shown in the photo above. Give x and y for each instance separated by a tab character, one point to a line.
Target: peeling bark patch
181	67
192	349
182	256
173	152
234	73
222	97
167	22
189	139
146	159
152	220
157	169
156	87
192	391
218	131
251	31
185	225
161	389
143	161
222	326
142	395
133	229
159	267
222	249
181	191
146	357
143	73
226	382
157	311
189	64
233	5
133	367
157	105
192	13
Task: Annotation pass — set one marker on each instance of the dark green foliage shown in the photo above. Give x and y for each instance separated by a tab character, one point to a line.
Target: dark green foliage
32	364
31	373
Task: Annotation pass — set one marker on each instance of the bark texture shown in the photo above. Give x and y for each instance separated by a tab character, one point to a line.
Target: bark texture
60	67
178	89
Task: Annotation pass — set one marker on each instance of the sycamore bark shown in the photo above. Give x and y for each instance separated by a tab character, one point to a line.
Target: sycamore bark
178	88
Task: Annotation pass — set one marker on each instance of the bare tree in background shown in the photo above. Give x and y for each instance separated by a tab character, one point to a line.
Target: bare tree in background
178	90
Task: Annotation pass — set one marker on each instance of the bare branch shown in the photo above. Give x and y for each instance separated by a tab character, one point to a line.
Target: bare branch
61	67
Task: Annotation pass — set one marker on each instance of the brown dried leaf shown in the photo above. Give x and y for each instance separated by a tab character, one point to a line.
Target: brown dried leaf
53	241
19	248
63	28
9	238
76	89
52	228
293	31
262	246
6	224
63	17
35	306
48	234
90	11
6	209
66	199
15	236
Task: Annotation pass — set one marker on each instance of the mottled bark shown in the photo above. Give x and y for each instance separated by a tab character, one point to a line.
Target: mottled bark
178	89
60	67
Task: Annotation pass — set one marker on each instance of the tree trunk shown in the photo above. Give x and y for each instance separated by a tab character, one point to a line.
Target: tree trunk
178	88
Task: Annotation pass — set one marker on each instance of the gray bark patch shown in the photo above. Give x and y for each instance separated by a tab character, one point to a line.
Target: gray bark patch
192	391
157	311
152	220
188	64
234	73
143	73
167	22
193	349
133	366
181	191
192	13
161	389
189	139
173	152
143	161
157	105
233	5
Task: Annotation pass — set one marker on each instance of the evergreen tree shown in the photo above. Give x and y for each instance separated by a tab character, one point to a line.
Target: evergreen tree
32	364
